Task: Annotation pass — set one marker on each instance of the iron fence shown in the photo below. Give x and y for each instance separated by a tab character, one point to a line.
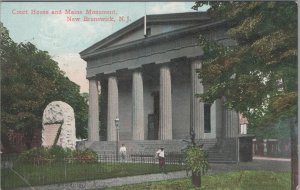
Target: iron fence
16	174
272	148
171	158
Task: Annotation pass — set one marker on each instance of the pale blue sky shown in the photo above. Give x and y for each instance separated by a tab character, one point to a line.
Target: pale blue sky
64	40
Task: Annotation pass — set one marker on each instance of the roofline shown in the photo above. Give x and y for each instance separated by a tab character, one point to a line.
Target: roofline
154	38
156	18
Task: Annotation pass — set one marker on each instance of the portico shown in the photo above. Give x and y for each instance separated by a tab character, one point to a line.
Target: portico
149	81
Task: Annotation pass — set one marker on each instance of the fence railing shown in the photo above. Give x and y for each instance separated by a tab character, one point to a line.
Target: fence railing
16	174
171	158
271	148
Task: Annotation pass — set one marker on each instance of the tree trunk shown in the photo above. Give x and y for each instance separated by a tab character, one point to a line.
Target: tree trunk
196	179
294	154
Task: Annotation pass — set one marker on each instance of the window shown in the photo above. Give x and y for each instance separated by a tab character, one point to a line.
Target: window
207	125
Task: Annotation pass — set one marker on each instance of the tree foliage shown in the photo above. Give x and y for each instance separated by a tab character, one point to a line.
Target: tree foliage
258	76
30	80
196	159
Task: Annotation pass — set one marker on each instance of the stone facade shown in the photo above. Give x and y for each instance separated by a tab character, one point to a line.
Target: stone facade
149	82
58	119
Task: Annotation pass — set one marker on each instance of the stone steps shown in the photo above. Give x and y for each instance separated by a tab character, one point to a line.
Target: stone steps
218	151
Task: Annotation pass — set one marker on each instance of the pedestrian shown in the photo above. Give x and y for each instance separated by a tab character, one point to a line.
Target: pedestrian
161	159
123	152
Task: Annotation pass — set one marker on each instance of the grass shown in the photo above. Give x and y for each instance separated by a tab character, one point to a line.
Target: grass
243	180
61	172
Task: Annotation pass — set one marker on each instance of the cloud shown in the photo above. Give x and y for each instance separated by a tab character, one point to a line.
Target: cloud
74	67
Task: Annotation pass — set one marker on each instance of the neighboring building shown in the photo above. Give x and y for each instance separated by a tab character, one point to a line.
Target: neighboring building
148	79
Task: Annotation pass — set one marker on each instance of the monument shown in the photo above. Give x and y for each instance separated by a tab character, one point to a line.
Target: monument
59	125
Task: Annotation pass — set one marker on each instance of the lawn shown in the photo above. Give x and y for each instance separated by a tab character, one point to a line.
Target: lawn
64	172
243	180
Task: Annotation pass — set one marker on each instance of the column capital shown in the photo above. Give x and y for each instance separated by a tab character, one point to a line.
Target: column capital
114	74
165	64
138	69
93	78
162	62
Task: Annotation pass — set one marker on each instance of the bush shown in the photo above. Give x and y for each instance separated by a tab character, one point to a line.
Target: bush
57	153
36	156
84	156
60	153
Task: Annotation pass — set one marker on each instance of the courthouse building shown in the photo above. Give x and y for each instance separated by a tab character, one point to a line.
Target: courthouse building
146	73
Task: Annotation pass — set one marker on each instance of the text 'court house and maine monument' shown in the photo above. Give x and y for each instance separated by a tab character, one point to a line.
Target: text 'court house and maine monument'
147	75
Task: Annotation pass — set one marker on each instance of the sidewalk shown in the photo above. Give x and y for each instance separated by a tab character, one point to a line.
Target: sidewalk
119	181
257	164
278	165
268	158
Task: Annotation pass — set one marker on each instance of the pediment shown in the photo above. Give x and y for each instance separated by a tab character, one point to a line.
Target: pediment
152	28
155	25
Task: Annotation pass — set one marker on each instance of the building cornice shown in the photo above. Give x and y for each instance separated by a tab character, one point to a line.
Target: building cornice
151	39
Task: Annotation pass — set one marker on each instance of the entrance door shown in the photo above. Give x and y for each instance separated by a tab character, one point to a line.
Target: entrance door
153	119
151	124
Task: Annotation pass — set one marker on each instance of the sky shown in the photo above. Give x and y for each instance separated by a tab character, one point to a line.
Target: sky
64	39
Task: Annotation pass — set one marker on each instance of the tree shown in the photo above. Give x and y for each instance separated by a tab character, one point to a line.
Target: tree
30	80
258	76
23	88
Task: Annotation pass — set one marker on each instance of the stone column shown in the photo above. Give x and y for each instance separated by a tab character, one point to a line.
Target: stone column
165	119
137	106
93	122
197	107
112	107
232	123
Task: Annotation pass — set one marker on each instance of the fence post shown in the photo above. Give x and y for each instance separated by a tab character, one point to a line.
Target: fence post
65	170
